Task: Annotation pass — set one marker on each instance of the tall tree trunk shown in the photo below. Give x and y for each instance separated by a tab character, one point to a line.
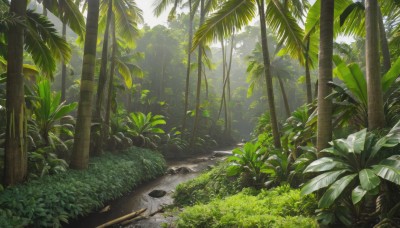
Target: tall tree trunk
64	67
384	43
268	76
376	118
324	131
111	82
15	164
199	75
98	114
284	96
189	54
80	153
308	75
228	77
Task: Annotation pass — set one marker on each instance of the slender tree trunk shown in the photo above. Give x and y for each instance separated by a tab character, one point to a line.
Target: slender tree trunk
268	76
111	82
384	43
308	75
284	96
205	82
324	131
80	153
199	75
64	67
189	59
15	164
228	77
376	118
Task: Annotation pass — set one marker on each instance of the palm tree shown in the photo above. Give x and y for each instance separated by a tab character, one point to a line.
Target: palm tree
376	118
124	16
324	129
15	167
80	153
235	14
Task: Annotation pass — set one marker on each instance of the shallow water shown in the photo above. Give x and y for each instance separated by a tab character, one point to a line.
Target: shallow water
139	198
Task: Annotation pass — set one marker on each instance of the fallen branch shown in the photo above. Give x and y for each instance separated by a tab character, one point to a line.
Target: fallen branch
141	217
123	218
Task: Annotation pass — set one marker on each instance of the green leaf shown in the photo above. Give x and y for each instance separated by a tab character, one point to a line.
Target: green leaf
321	181
391	75
357	194
368	179
389	173
335	190
324	164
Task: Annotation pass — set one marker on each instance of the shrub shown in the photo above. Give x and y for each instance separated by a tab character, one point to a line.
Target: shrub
207	186
55	199
281	207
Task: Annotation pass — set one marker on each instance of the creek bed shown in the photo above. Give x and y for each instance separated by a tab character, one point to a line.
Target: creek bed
139	198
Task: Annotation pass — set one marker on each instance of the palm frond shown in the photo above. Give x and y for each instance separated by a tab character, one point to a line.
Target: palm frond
232	16
286	29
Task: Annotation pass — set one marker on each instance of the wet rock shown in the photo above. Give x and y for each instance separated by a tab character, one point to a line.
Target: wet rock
183	170
157	193
170	171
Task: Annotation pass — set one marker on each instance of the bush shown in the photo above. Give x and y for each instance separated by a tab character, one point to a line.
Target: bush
55	199
207	186
281	207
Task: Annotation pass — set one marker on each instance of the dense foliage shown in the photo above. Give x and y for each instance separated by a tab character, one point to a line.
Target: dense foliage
280	207
52	200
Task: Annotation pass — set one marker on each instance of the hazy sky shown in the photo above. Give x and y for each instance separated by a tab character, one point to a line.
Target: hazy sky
147	7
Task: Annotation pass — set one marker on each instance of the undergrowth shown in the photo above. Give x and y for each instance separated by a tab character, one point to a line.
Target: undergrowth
51	200
280	207
206	187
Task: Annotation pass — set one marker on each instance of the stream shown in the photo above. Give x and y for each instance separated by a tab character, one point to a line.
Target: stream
139	198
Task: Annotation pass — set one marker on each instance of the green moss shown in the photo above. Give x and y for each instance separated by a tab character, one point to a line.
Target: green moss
55	199
209	185
281	207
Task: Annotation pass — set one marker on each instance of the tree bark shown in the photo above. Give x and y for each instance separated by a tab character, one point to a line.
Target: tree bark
188	67
308	75
268	76
284	96
111	82
324	129
80	153
199	75
384	43
64	67
376	118
15	165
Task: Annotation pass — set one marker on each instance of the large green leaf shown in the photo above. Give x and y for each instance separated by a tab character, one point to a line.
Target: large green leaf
335	190
353	77
324	164
368	179
321	181
389	173
391	75
357	194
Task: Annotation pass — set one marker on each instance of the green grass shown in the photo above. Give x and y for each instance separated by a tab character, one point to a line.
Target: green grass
280	207
206	187
51	200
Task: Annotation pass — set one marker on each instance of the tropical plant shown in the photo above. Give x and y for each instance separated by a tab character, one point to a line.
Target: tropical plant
354	172
48	110
146	127
251	162
350	100
42	162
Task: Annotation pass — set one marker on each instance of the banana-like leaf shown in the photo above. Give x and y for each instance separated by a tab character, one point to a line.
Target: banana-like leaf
391	76
357	194
368	179
125	72
386	172
321	181
335	190
324	164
